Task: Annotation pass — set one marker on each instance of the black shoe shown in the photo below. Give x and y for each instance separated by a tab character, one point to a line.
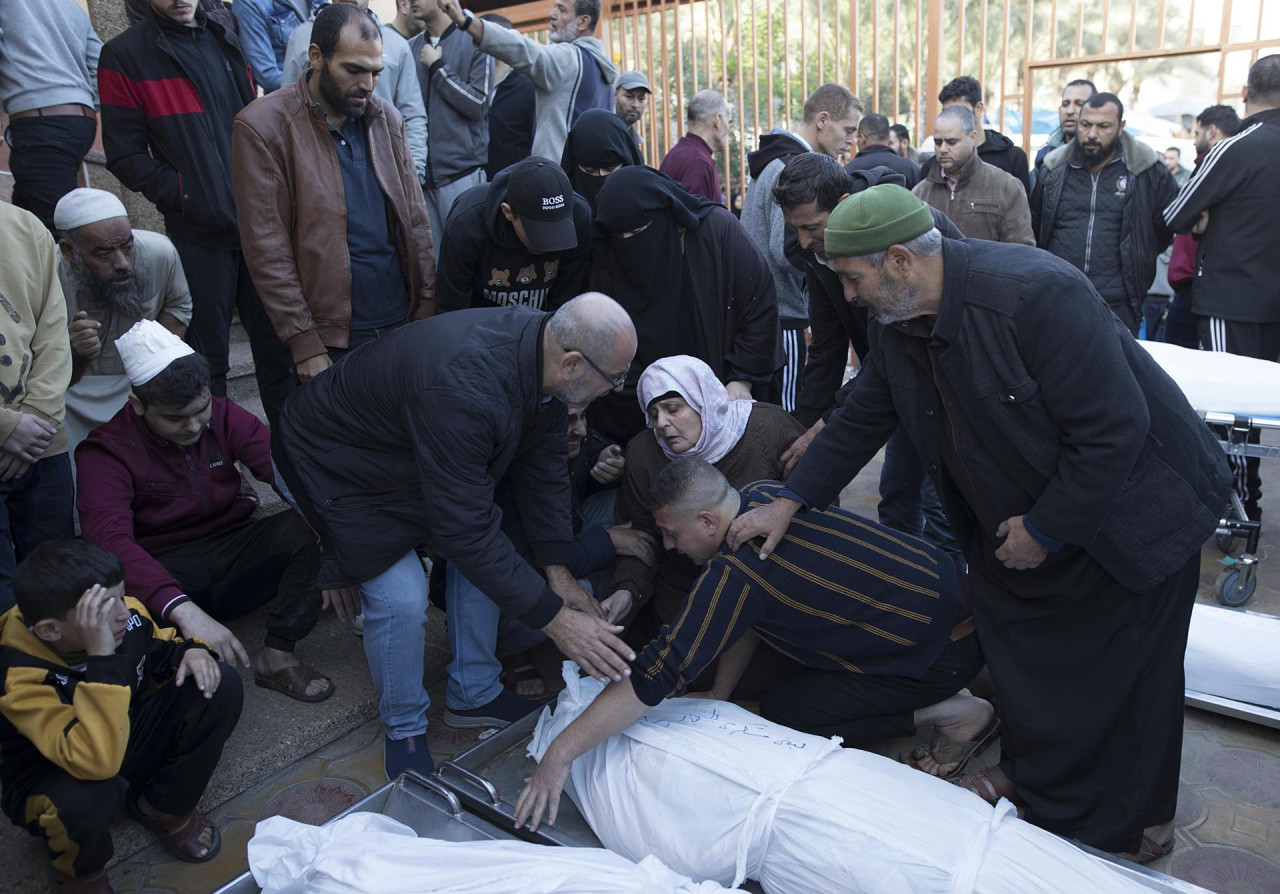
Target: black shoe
399	755
504	710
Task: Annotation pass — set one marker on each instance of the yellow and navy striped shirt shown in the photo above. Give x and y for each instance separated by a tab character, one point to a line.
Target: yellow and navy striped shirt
838	593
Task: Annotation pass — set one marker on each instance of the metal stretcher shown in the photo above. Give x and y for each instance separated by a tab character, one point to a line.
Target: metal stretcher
472	797
1236	584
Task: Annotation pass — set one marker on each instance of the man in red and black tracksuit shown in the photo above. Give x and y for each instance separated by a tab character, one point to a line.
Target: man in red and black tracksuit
170	87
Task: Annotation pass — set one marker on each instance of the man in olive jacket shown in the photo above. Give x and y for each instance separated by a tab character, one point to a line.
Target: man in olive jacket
1080	492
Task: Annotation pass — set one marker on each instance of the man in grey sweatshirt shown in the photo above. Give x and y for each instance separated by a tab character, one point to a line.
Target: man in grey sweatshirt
571	74
829	125
49	91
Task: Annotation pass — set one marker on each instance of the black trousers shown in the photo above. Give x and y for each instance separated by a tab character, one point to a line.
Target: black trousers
1180	324
1259	340
175	741
44	158
863	708
786	382
220	283
1090	681
235	571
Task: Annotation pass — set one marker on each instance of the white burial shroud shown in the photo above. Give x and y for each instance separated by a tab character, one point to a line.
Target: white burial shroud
718	793
368	853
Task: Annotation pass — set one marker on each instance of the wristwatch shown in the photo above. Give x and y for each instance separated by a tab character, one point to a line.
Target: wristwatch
466	23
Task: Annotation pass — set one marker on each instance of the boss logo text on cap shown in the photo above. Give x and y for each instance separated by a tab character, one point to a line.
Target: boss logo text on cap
553	203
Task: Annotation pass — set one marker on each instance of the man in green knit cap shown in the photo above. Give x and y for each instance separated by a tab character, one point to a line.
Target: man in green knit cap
1079	483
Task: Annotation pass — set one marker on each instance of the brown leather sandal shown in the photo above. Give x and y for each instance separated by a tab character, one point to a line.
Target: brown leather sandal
293	682
180	835
946	750
989	786
1149	850
96	883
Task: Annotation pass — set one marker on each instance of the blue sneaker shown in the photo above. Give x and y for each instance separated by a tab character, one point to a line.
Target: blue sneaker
504	710
399	755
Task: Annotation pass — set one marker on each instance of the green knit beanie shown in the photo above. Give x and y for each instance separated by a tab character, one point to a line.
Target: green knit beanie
875	219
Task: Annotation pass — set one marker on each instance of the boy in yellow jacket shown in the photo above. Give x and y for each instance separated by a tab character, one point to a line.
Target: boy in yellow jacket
100	709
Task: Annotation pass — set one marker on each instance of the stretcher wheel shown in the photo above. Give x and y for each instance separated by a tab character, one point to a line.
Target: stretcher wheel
1226	542
1227	589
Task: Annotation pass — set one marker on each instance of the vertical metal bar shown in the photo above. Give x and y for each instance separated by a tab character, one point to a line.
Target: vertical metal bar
875	55
1257	35
804	55
935	69
706	26
1191	21
768	34
742	112
693	48
1026	82
1224	38
1133	23
635	38
724	90
960	5
1160	24
679	53
1106	24
755	75
1004	57
1079	25
1053	31
786	64
724	55
821	59
652	141
982	45
854	23
897	6
917	121
665	80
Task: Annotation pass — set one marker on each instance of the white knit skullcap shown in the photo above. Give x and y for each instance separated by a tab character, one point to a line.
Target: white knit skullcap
147	349
84	206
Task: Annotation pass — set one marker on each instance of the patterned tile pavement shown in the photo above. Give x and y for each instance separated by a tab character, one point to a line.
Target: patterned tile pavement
1227	825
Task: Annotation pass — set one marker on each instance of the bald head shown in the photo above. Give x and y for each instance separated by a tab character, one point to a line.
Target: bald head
589	329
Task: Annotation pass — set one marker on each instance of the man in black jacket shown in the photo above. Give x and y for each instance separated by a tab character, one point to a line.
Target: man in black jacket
994	147
874	151
401	444
1230	201
1081	492
520	241
808	191
1098	203
170	87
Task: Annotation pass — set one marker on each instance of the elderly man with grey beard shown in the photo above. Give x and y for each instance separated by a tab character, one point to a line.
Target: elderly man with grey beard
113	276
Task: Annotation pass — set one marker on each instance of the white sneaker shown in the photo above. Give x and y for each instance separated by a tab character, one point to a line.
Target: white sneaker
357	624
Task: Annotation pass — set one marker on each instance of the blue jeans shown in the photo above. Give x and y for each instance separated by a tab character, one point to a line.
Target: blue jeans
476	626
34	507
395	616
909	501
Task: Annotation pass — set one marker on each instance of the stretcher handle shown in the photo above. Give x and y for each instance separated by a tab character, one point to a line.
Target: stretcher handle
455	806
472	777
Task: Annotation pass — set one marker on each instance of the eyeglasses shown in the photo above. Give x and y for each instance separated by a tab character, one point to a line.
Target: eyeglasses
614	384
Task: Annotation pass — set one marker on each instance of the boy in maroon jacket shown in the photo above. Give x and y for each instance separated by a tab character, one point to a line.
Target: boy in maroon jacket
161	490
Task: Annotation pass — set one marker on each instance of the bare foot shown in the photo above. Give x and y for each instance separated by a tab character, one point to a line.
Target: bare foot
961	718
270	660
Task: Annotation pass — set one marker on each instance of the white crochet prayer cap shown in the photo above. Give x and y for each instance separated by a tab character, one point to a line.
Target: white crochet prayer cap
147	349
83	206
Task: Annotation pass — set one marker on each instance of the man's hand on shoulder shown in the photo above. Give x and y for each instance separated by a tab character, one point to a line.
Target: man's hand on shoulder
592	642
792	454
770	522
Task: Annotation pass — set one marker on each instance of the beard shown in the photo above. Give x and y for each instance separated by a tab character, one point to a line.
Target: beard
566	33
126	300
351	105
631	116
1096	152
896	302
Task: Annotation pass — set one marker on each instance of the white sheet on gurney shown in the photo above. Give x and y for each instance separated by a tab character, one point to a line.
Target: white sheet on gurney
1234	654
1219	382
368	853
719	793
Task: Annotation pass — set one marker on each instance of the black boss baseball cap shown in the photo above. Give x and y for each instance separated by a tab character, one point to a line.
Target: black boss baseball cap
540	193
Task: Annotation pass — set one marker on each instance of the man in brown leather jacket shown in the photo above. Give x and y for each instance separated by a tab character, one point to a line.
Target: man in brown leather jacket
331	215
982	200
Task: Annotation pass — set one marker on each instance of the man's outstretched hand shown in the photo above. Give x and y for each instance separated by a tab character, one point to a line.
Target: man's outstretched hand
592	642
769	522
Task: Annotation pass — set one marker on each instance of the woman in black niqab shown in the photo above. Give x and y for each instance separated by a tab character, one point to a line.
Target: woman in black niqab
598	144
637	247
